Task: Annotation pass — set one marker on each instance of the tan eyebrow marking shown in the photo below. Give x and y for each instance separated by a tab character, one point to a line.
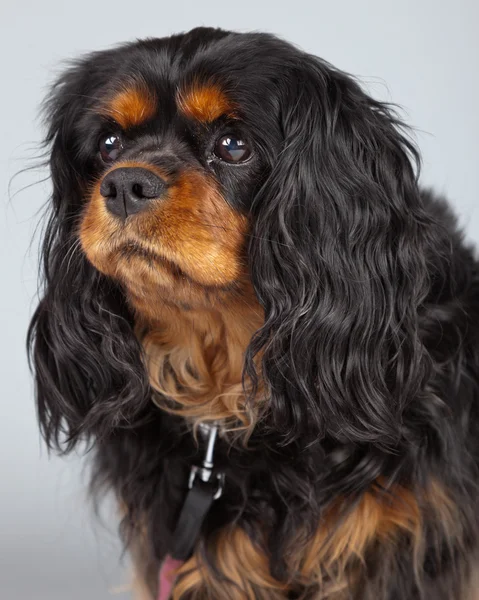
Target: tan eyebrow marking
132	105
204	103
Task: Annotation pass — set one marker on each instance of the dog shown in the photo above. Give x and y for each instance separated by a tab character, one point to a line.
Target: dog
264	329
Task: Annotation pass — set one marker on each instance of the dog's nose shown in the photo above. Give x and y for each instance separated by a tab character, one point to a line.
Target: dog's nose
128	190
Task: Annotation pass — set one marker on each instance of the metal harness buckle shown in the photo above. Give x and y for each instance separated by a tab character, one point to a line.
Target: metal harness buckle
205	472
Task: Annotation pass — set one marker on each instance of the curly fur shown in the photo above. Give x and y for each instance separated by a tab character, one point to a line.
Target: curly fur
356	342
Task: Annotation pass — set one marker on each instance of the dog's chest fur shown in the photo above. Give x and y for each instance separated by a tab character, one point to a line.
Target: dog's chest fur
195	361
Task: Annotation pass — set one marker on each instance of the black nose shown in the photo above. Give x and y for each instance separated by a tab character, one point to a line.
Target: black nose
128	190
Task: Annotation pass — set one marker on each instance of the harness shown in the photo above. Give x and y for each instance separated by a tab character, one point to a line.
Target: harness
204	487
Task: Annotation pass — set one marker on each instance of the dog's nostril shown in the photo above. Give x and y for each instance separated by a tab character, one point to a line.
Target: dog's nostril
137	190
108	189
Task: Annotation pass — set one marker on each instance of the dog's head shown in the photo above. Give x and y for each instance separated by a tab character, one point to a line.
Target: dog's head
214	168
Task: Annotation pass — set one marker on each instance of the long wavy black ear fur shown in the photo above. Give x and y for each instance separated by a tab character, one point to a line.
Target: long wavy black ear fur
88	370
338	261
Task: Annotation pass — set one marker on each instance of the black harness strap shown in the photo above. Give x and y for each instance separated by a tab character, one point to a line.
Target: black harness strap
197	504
204	489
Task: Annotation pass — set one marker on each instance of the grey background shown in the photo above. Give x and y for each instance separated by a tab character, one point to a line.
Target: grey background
422	54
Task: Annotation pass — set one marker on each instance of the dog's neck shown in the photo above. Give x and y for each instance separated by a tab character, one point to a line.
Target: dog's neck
195	359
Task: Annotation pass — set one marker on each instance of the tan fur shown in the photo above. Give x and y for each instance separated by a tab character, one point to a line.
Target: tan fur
195	358
131	106
244	564
204	102
329	558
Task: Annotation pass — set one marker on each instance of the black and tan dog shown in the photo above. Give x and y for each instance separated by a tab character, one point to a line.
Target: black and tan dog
237	239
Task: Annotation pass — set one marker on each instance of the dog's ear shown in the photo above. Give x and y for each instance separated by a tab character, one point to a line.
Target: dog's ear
88	368
338	260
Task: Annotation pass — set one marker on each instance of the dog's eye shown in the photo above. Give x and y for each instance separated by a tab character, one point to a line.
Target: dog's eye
110	147
232	149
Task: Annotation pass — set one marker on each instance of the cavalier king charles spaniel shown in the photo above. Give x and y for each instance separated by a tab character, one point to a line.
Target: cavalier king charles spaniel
263	328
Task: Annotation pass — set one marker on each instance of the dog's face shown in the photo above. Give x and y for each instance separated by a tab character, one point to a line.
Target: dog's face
173	152
214	168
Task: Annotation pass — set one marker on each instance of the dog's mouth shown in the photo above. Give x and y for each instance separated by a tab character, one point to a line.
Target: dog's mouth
131	249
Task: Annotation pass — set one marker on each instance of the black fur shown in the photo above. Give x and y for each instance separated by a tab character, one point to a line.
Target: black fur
371	301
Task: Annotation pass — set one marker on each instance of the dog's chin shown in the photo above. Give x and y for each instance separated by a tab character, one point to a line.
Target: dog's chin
150	279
